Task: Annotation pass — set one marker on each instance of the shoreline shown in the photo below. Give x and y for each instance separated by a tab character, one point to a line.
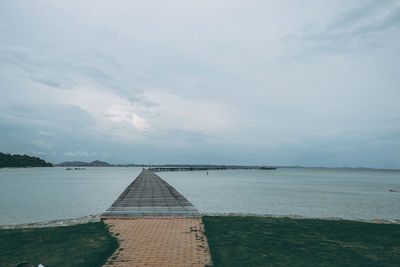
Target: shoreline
97	218
376	221
55	223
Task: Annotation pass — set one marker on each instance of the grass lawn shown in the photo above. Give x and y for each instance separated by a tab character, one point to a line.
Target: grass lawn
79	245
264	241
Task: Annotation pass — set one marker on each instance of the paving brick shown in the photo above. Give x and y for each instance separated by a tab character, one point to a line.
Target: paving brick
159	242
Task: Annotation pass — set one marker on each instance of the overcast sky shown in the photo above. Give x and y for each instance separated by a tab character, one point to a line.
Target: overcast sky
312	83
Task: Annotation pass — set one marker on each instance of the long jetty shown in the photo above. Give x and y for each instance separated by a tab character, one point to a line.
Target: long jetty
149	195
206	168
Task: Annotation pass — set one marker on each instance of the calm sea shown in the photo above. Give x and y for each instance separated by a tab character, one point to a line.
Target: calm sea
40	194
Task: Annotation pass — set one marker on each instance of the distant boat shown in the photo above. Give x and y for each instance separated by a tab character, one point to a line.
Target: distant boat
268	168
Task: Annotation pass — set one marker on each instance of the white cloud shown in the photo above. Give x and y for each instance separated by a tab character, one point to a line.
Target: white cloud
76	154
46	133
138	122
155	110
113	114
125	112
175	112
44	145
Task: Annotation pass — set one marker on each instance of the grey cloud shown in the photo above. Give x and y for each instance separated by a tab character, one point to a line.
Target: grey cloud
375	18
364	10
79	154
68	72
205	59
4	26
59	116
51	71
65	126
368	26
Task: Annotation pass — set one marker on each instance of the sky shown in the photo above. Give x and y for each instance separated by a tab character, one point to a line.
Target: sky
309	83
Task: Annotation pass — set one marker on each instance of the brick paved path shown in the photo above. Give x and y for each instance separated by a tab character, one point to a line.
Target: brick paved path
146	241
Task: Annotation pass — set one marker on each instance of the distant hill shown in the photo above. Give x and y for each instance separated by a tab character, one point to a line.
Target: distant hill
96	163
15	161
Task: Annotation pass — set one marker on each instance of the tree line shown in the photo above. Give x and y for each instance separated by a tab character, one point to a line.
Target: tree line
8	160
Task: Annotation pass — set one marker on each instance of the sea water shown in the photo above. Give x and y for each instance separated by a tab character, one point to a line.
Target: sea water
40	194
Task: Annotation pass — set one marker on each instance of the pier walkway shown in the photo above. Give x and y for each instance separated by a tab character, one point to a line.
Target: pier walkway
149	195
156	226
207	168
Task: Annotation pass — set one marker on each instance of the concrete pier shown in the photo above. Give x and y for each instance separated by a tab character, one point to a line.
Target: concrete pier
206	168
149	195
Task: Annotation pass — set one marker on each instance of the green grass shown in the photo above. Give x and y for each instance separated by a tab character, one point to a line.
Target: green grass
264	241
79	245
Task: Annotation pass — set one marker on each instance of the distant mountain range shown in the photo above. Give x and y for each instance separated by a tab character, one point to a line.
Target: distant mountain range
96	163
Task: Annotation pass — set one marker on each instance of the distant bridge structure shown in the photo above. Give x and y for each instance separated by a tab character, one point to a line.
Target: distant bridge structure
206	168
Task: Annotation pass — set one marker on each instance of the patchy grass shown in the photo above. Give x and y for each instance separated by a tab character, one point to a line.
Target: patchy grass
264	241
79	245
